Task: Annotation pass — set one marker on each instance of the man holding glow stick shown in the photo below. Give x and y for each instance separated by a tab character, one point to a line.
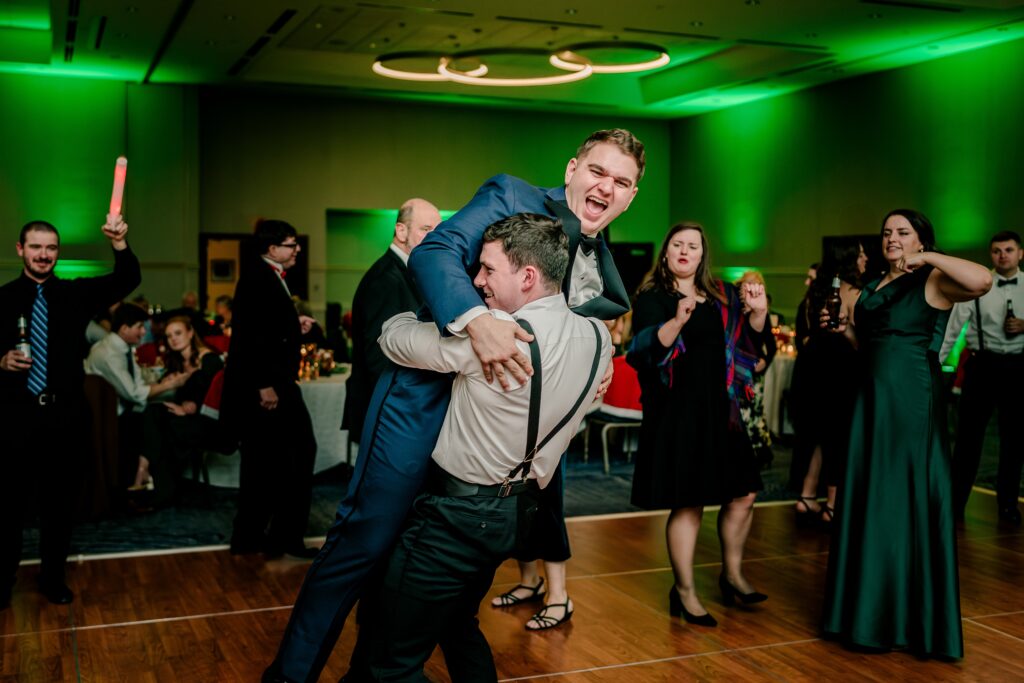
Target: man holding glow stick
41	397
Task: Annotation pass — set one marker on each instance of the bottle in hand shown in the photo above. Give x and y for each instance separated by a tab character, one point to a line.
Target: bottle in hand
834	305
1009	314
24	346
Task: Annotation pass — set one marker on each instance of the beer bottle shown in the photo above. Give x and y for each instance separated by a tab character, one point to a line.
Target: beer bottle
834	305
1009	314
23	344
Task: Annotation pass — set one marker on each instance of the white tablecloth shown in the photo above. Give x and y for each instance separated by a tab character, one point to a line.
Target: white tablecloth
325	400
776	381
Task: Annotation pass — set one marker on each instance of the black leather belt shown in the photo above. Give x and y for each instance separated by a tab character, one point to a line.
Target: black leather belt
443	483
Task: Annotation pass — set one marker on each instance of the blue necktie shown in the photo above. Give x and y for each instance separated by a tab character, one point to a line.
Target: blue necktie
37	337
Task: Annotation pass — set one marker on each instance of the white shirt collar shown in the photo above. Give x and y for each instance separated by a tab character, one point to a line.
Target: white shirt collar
401	254
553	302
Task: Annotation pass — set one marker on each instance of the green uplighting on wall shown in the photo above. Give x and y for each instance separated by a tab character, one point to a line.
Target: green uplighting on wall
734	273
72	268
34	15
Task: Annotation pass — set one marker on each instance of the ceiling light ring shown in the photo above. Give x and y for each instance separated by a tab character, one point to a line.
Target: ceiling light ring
577	61
380	66
446	69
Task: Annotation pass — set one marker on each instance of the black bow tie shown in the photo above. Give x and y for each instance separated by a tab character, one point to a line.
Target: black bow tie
1011	281
588	244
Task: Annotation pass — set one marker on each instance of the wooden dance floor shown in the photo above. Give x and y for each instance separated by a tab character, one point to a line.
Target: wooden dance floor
208	616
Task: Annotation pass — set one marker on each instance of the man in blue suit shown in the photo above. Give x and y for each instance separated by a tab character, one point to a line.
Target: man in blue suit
408	406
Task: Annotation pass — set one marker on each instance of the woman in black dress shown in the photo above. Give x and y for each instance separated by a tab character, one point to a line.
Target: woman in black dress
825	381
695	351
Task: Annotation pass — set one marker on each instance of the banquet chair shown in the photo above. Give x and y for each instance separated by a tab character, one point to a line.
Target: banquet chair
619	409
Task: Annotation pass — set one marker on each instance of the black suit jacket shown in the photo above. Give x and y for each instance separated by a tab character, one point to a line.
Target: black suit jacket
265	341
386	289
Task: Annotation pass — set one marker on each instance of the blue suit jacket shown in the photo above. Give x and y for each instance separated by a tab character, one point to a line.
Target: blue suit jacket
441	262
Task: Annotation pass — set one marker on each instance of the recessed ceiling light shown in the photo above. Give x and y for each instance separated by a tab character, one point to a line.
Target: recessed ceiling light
696	24
229	17
318	25
570	11
373	45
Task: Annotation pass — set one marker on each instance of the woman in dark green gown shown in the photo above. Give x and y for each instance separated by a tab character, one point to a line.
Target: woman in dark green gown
892	573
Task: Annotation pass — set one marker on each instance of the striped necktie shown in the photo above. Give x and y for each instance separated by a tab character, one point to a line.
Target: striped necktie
37	336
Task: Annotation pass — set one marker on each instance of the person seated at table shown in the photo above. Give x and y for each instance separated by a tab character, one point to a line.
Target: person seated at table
222	313
315	334
112	358
174	430
824	385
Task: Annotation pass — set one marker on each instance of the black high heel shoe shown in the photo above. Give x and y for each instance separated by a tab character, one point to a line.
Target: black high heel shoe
677	609
730	593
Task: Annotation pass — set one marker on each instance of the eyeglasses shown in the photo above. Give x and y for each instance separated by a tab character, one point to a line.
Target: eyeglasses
292	245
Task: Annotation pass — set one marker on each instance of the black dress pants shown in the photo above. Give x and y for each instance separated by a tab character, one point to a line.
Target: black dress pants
439	571
41	470
275	488
992	382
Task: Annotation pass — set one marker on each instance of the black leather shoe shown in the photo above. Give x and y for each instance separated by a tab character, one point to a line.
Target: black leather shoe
730	593
56	592
1010	515
246	547
677	609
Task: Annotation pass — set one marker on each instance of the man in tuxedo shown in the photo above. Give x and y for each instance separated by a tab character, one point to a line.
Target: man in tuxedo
993	377
263	405
408	405
42	397
386	290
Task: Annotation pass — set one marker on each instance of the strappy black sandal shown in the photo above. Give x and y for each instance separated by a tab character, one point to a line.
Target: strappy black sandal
826	524
508	598
807	517
545	622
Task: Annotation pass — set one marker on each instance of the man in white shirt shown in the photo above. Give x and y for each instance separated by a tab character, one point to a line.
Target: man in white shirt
993	378
462	528
113	359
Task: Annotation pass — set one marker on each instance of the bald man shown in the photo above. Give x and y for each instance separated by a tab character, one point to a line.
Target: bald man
386	290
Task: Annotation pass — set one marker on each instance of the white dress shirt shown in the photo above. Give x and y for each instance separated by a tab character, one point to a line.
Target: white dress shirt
399	253
278	269
993	313
585	284
484	433
108	358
